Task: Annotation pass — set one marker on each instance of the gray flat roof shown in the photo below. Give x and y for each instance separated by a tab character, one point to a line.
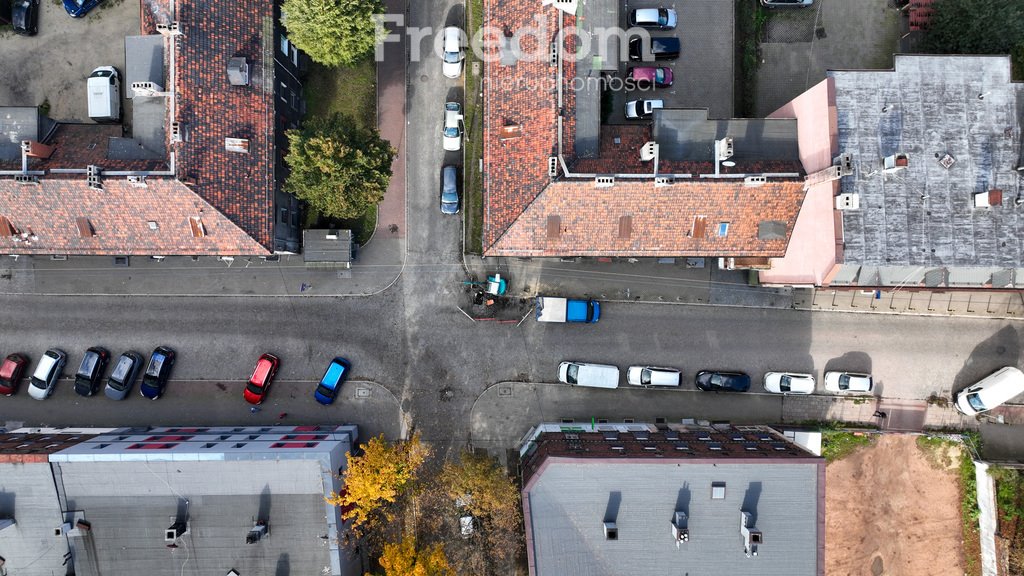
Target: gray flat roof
570	500
144	61
130	504
688	135
28	494
316	247
19	123
925	215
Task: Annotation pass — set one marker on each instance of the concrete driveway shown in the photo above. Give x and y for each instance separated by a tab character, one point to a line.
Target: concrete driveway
54	64
704	70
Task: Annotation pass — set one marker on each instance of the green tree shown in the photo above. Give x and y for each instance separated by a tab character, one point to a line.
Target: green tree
333	32
376	480
337	167
977	27
403	559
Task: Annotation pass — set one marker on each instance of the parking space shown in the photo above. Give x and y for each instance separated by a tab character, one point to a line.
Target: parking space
703	73
53	65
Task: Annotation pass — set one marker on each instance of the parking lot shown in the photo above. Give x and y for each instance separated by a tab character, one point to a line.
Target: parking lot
53	65
704	70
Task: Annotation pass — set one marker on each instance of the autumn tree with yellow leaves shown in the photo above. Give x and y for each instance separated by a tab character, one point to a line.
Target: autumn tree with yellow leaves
377	480
404	559
486	492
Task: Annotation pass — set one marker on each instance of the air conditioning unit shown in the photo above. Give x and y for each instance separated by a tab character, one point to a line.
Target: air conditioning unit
724	148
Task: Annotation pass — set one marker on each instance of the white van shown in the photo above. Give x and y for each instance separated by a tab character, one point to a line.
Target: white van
652	376
991	391
591	375
104	86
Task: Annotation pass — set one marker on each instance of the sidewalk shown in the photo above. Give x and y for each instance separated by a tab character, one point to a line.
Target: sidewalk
699	281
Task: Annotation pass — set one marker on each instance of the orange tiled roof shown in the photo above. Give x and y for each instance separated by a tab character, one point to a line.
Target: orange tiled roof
661	219
118	216
519	195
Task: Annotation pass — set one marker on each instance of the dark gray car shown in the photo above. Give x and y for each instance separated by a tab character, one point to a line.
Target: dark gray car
123	376
449	190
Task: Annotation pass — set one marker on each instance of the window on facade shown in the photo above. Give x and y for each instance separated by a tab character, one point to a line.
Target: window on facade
284	45
295	57
295	218
284	215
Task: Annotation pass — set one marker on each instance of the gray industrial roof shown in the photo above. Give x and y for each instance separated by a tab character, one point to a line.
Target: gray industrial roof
28	494
688	135
130	504
570	500
925	215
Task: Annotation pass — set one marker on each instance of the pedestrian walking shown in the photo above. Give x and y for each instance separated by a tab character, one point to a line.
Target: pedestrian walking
880	414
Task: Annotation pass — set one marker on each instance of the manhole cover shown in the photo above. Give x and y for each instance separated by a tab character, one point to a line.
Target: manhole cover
423	78
504	390
362	392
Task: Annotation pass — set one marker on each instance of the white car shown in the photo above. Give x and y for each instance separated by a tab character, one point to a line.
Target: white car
453	55
848	382
652	376
789	383
452	126
47	373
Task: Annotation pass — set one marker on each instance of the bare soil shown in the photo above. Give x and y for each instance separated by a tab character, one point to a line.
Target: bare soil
890	509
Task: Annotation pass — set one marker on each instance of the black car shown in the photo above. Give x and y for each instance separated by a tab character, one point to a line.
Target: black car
661	49
25	17
90	371
157	373
722	381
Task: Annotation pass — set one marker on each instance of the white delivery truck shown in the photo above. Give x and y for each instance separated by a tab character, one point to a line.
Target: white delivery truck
590	375
993	390
104	90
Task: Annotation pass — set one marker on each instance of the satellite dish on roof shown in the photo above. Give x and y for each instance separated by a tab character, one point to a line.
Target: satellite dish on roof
728	163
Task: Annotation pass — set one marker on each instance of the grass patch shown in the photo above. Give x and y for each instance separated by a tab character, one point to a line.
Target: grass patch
751	19
838	444
940	453
473	181
350	90
969	515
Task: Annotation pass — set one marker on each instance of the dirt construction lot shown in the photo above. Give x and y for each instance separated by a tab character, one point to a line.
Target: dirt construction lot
889	512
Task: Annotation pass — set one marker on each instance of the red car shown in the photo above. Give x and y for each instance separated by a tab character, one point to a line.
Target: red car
259	383
644	76
10	373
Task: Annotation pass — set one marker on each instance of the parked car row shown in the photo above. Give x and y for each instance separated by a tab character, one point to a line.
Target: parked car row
607	376
89	376
258	386
25	13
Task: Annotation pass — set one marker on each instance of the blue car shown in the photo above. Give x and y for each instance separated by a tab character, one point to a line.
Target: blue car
154	381
327	389
79	8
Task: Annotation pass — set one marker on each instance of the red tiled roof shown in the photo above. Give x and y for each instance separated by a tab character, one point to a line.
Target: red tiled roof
76	146
662	219
516	170
239	185
119	216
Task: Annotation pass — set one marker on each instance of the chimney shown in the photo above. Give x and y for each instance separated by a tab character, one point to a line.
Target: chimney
34	149
611	531
238	71
257	532
751	537
175	531
680	532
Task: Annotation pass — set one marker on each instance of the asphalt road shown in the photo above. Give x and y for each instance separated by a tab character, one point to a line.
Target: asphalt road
412	342
417	360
